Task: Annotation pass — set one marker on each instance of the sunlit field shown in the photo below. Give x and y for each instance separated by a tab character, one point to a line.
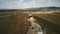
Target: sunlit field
14	22
50	21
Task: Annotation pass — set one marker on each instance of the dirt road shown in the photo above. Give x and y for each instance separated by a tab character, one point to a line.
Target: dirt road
34	28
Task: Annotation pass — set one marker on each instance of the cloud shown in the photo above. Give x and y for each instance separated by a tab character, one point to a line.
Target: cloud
21	4
22	0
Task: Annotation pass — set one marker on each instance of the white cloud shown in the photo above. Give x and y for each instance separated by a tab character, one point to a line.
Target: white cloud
25	5
22	0
18	4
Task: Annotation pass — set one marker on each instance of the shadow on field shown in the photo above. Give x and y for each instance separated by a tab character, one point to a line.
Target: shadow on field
14	24
50	27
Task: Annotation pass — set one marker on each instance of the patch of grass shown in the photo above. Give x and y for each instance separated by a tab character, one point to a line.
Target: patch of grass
5	23
14	23
51	28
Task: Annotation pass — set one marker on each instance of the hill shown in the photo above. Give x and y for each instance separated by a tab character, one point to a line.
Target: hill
37	8
44	8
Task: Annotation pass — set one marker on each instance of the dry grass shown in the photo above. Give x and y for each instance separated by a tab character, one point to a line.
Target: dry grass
51	22
16	23
13	23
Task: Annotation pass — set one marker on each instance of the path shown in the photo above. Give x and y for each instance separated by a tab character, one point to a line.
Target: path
35	28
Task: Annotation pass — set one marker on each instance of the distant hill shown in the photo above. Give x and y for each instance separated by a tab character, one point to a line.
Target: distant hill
41	8
38	8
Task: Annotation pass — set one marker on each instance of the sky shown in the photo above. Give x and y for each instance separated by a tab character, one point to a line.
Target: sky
22	4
